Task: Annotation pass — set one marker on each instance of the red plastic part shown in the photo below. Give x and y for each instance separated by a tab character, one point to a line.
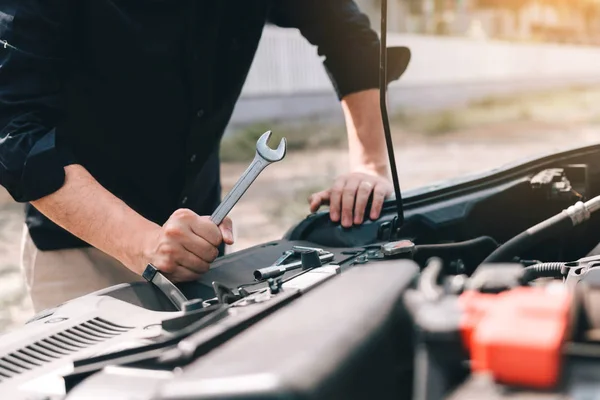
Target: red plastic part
517	335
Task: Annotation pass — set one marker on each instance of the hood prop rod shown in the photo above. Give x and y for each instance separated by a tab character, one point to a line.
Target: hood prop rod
399	219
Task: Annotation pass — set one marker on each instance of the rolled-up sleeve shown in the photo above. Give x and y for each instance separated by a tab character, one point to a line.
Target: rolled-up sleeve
342	34
33	58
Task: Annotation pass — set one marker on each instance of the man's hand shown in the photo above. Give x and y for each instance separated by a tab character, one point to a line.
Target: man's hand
186	244
182	248
349	195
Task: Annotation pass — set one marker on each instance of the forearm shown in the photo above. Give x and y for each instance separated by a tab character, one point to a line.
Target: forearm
89	211
366	139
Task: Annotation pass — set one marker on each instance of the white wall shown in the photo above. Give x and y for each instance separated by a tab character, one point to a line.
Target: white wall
288	82
286	64
450	60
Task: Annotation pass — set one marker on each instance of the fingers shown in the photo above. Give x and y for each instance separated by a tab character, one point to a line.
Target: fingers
182	274
200	251
203	227
379	195
348	200
194	255
349	196
193	263
316	200
335	199
365	188
226	228
188	244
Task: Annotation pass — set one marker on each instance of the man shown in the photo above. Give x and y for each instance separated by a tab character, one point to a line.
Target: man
111	113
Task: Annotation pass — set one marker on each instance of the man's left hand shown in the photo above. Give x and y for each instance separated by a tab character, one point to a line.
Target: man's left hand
348	197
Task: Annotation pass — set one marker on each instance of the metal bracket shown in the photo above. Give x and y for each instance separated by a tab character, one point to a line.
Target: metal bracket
154	276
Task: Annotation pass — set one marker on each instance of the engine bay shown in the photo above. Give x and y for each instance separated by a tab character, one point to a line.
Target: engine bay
328	312
480	287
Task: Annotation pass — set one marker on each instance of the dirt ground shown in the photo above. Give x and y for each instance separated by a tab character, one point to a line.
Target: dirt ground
277	200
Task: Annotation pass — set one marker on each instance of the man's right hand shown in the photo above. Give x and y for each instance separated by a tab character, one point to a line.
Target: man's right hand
186	244
182	248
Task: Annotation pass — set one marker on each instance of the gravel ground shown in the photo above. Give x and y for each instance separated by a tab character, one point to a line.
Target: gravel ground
277	200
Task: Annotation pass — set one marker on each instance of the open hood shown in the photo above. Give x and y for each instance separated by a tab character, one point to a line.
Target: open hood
131	339
373	311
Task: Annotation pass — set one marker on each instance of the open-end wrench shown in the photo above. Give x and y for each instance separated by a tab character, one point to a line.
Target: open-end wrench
264	156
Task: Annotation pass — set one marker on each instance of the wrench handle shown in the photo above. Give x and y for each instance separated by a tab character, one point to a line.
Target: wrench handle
240	187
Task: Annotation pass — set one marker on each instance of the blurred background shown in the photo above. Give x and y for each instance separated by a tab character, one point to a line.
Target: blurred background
490	82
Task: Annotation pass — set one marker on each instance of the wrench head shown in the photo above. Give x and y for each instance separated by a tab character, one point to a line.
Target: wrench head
269	154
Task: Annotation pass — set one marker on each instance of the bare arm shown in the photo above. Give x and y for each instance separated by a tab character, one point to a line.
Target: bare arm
342	33
369	168
33	167
36	168
183	247
366	140
89	211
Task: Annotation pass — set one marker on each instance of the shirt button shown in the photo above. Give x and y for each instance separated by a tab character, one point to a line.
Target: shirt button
184	200
200	113
193	158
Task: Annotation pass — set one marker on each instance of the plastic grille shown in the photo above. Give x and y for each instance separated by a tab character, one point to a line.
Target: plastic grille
57	346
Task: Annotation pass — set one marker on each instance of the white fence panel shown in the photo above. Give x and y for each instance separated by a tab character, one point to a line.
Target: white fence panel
287	64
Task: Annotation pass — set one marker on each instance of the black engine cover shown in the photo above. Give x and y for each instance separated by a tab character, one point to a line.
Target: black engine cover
348	338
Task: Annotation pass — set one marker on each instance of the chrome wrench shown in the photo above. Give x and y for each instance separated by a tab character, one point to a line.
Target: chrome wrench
264	156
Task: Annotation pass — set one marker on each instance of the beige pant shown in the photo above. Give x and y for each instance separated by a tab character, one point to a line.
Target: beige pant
54	277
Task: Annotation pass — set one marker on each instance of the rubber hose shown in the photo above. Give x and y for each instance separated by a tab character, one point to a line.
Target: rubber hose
483	244
472	252
543	270
552	227
458	246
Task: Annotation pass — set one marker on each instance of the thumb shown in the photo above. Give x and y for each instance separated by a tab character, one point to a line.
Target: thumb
318	199
226	228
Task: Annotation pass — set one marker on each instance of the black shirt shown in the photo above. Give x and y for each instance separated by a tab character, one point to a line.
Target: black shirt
139	92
